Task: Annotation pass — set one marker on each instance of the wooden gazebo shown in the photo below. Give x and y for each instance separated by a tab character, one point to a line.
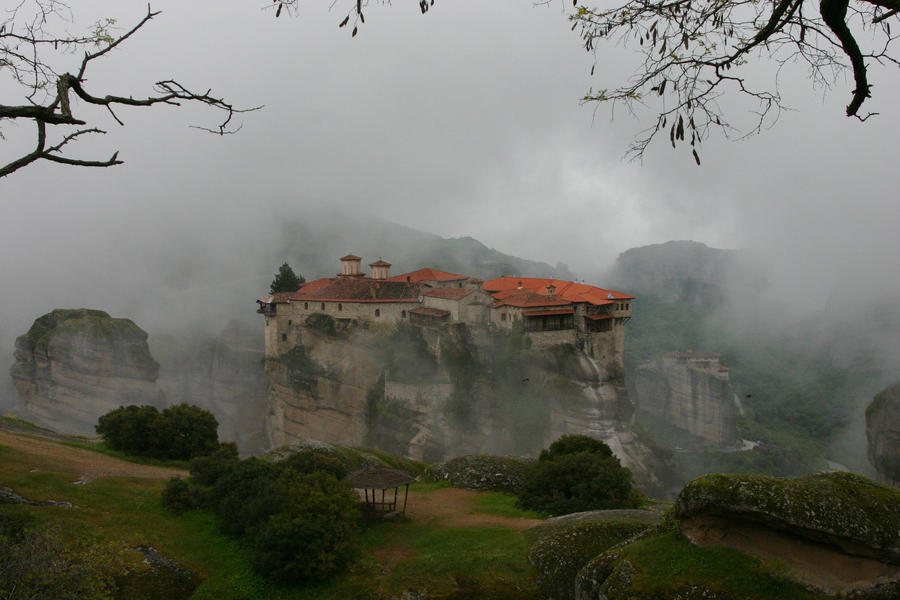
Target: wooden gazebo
374	479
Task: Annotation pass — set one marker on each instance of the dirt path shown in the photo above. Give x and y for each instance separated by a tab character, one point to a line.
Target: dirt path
84	465
453	507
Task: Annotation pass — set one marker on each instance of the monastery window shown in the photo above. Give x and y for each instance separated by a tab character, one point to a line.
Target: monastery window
323	306
340	307
283	337
306	306
402	314
502	316
290	322
459	285
377	312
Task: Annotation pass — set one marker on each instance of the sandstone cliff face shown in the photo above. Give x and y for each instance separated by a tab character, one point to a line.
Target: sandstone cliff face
695	401
75	365
883	433
223	374
433	394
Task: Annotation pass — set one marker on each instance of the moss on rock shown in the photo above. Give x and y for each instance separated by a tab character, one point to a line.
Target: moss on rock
563	546
483	472
857	514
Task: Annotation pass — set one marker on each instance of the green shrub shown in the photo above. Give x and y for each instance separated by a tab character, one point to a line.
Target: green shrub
179	495
312	537
206	470
575	474
247	494
180	432
305	462
321	322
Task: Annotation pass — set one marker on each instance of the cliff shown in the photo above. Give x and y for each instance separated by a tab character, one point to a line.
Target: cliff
223	374
688	400
75	365
435	393
883	434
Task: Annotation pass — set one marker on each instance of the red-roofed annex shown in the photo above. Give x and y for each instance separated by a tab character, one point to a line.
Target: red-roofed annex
550	311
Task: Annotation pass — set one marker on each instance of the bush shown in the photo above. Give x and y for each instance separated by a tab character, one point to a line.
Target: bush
576	474
247	495
311	538
321	322
180	432
305	462
206	470
180	496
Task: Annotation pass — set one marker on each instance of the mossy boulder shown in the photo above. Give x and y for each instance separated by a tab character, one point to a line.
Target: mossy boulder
860	516
483	472
562	546
350	458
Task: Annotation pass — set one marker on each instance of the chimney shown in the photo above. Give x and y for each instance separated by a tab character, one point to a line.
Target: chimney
350	266
380	269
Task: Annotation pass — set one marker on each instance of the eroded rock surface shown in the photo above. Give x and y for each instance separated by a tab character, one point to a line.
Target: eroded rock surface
75	365
883	433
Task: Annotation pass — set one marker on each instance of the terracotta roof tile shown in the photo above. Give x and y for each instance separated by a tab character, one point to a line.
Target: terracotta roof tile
568	290
350	257
427	274
358	290
526	299
380	263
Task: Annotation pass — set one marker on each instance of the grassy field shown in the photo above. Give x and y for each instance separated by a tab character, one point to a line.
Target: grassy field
453	562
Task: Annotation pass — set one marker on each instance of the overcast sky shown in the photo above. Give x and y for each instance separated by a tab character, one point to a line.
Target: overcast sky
465	121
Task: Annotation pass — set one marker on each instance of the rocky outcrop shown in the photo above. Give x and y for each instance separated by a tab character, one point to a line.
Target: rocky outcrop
820	536
883	434
483	472
689	395
223	374
431	394
75	365
563	545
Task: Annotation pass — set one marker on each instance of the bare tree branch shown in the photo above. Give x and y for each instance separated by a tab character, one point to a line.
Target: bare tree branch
21	38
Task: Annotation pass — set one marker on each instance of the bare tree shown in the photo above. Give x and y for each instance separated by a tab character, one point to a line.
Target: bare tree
28	45
694	52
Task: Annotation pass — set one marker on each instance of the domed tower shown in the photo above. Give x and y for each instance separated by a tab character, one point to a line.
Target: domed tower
350	266
380	269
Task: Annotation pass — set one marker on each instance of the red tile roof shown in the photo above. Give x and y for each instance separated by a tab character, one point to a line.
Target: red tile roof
526	299
380	263
357	290
350	257
427	274
277	298
568	290
447	293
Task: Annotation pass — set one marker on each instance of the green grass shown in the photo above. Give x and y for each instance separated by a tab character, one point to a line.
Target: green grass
670	562
128	512
504	505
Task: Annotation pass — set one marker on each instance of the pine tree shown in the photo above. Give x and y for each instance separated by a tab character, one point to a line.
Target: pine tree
286	280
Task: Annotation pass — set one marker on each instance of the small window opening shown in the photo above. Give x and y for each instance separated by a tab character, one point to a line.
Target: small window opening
283	337
377	312
340	307
323	306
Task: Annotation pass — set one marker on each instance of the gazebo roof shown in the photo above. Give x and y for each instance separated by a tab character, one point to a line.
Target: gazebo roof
379	478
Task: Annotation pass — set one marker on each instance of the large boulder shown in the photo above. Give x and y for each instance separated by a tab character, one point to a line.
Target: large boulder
835	532
561	546
75	365
883	433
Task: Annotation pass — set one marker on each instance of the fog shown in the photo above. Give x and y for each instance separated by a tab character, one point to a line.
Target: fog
462	122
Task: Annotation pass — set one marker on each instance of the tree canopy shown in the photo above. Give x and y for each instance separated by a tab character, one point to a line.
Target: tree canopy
696	56
286	280
34	47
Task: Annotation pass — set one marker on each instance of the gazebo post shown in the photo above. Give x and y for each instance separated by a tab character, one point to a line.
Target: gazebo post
405	496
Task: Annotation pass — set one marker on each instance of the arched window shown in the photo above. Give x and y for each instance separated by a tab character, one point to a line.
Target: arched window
323	306
403	314
306	306
377	312
340	307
